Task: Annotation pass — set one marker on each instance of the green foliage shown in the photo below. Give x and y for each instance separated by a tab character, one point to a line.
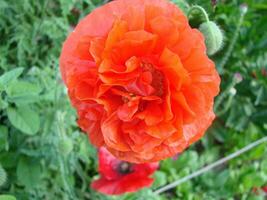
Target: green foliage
24	119
3	176
7	197
44	153
28	172
9	76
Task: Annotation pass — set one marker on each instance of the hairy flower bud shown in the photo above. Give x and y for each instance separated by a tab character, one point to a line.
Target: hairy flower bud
214	2
65	146
213	37
244	8
238	77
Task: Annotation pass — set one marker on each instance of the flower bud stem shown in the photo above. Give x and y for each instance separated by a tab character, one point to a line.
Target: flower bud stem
223	95
61	160
227	106
202	10
211	166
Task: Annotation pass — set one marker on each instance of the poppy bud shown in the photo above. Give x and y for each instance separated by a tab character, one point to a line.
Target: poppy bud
232	91
238	78
214	2
65	146
244	8
3	176
213	36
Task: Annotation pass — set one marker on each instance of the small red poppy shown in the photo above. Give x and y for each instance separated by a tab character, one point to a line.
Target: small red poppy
258	191
118	177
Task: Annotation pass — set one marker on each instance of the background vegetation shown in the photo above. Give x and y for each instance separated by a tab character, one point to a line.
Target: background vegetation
44	155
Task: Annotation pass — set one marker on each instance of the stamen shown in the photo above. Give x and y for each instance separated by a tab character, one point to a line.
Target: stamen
124	168
158	83
127	98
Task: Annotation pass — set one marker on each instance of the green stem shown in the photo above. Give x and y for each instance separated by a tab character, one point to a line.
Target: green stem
227	106
61	160
211	166
223	95
202	10
232	43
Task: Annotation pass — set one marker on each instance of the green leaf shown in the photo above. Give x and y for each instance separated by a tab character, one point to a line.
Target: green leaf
24	119
260	117
9	159
9	76
3	176
7	197
160	179
253	179
22	92
3	103
187	159
141	195
65	146
260	96
28	172
222	178
256	197
182	4
3	137
66	6
86	149
264	166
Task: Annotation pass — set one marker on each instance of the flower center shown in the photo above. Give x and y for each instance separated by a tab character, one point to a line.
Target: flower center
125	99
157	78
124	168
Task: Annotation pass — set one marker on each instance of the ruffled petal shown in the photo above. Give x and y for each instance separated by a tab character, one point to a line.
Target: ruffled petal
107	164
173	69
112	133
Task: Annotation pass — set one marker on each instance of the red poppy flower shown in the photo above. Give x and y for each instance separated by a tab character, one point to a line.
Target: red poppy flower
261	190
118	177
140	79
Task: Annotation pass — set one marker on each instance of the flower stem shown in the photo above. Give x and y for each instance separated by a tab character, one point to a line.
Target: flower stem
61	160
232	43
223	95
227	106
199	8
211	166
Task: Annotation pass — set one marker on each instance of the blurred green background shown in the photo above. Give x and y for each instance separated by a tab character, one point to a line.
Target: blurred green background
44	155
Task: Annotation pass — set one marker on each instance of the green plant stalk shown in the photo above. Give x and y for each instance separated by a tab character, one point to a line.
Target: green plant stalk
202	10
61	160
226	106
223	95
232	43
211	166
60	133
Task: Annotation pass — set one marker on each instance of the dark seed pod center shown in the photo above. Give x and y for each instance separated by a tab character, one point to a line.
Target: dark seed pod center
124	168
